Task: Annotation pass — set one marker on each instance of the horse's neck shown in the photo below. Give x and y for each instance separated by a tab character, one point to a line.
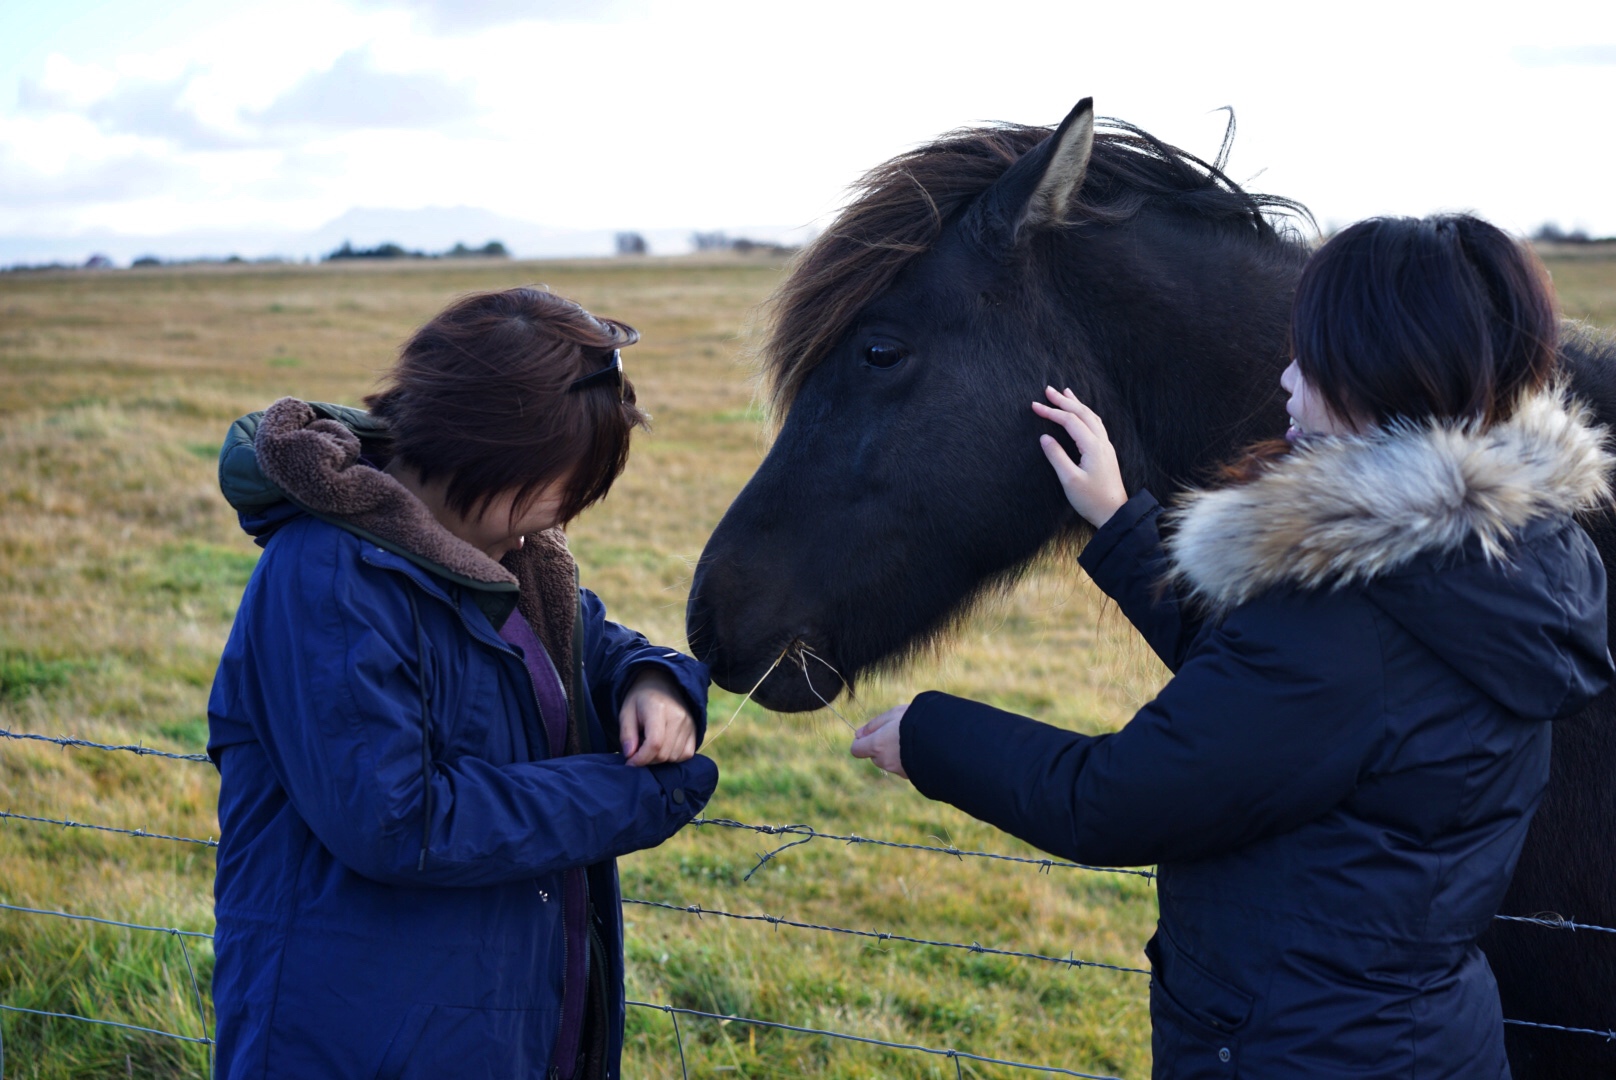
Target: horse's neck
1192	348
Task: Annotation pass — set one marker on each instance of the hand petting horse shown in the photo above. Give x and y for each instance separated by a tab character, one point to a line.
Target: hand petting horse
908	475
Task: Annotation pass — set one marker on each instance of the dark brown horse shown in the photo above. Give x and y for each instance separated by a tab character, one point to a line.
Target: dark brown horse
906	478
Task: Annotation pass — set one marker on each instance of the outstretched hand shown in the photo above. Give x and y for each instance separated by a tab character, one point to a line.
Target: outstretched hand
878	741
654	724
1093	484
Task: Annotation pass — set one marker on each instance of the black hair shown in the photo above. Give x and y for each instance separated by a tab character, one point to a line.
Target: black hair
1417	318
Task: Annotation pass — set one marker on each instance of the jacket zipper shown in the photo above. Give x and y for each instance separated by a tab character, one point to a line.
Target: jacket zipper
527	679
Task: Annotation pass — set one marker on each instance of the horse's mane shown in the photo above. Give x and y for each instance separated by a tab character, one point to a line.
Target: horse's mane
898	211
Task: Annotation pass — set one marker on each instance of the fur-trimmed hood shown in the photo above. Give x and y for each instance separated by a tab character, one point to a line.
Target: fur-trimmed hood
1462	534
308	457
1340	510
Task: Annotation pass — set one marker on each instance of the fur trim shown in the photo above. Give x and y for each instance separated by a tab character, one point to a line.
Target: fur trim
316	463
1340	510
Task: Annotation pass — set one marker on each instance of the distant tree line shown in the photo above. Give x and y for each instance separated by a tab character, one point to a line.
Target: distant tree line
1550	233
741	245
491	250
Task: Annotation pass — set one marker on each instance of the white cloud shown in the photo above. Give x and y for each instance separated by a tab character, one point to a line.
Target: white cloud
1557	55
353	93
469	16
711	113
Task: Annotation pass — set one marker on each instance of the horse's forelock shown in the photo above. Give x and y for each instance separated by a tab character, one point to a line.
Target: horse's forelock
898	210
895	216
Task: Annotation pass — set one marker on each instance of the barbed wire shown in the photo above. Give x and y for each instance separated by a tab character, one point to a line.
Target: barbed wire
1555	922
7	815
1547	921
1608	1036
131	748
174	933
955	1055
800	833
108	1023
882	935
808	832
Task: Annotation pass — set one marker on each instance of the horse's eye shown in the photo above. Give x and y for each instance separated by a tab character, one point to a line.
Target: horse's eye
884	354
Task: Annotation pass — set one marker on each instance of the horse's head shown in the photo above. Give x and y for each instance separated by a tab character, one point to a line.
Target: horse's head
906	348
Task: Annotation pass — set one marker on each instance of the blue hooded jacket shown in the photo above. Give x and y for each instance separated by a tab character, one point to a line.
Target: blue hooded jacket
1368	642
396	836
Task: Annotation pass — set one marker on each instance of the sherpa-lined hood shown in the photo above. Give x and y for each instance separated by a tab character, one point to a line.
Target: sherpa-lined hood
301	457
1441	524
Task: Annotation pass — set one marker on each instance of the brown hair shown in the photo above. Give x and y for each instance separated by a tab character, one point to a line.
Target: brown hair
480	395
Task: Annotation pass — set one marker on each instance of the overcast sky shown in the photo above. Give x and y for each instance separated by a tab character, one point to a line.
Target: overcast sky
153	118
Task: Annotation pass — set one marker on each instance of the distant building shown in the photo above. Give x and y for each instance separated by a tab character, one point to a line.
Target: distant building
98	262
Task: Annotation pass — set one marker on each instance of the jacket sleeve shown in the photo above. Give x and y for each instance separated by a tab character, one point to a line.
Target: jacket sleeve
1126	560
1267	726
614	655
338	708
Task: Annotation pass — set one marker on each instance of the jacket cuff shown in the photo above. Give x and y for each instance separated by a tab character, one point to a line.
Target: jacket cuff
944	742
687	785
1121	532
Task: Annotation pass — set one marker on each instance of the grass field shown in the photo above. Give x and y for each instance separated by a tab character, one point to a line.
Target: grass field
120	568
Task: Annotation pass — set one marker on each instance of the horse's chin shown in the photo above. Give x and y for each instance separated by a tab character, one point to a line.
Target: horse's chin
793	692
798	681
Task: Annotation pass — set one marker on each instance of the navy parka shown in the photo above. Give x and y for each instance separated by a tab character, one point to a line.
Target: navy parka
1335	784
373	924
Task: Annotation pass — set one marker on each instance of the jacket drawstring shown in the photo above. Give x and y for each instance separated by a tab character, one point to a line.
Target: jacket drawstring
426	730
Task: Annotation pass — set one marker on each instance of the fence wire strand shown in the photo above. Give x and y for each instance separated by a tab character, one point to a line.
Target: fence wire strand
808	832
799	835
7	815
882	935
131	748
1608	1036
109	1023
913	1047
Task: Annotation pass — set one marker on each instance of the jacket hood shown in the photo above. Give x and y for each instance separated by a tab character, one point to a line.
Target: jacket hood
1461	532
299	457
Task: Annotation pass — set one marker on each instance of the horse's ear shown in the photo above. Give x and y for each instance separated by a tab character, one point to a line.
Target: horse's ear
1037	190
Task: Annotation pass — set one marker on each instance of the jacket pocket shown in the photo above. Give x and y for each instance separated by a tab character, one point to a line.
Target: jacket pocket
469	1044
1196	1018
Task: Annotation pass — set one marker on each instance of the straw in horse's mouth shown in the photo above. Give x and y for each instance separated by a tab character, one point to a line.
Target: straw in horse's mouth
750	692
804	651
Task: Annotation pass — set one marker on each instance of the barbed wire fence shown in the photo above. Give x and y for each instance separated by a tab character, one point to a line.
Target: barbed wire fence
797	835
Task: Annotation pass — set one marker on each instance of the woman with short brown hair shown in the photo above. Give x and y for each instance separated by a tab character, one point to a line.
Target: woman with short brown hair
421	800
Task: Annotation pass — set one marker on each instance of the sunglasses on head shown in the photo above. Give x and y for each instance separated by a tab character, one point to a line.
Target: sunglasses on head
611	374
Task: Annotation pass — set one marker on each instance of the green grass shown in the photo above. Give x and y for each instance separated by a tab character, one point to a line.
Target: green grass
120	570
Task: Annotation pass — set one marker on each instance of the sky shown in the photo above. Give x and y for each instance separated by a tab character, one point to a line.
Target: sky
259	122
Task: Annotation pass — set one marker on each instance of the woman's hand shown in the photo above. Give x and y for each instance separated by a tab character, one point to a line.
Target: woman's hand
878	741
654	724
1094	485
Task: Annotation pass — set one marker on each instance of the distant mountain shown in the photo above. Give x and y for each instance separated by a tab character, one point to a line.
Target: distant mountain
435	228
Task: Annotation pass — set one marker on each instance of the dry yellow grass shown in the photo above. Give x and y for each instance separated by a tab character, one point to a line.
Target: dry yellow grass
121	567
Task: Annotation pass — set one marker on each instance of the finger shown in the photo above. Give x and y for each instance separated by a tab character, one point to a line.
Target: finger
1087	413
863	747
628	729
1066	471
875	724
653	736
1086	438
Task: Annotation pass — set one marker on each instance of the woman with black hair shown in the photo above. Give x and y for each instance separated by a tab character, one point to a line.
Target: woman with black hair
1371	627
